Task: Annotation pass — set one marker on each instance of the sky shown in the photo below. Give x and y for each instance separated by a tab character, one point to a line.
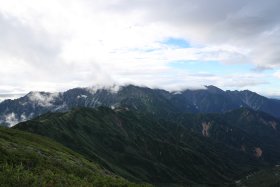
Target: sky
55	45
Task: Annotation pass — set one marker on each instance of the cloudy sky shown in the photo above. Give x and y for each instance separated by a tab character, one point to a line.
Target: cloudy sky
54	45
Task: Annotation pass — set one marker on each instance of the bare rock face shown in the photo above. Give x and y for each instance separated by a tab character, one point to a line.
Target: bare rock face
273	125
258	152
205	129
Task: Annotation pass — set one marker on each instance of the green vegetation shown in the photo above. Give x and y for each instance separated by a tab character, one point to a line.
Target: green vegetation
265	178
31	160
142	148
242	129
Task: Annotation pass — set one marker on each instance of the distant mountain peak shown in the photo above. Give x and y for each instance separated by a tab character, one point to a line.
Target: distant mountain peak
214	89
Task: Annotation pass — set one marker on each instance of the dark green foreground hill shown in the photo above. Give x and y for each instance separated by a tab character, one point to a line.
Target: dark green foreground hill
31	160
189	149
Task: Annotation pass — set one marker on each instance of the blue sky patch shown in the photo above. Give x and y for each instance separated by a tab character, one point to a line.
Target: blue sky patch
212	67
177	42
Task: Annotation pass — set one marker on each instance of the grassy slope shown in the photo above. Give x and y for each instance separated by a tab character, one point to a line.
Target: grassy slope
139	148
269	177
31	160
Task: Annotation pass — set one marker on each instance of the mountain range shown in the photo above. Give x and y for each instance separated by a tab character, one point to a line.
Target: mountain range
155	101
137	136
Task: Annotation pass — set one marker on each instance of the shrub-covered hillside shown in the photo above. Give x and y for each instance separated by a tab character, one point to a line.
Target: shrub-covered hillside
32	160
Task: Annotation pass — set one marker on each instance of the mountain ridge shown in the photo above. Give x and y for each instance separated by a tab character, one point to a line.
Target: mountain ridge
142	147
156	101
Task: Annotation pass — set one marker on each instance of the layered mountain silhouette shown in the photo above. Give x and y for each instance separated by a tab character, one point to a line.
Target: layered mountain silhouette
154	101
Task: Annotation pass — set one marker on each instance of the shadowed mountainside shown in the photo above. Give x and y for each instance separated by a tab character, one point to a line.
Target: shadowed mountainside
213	149
154	101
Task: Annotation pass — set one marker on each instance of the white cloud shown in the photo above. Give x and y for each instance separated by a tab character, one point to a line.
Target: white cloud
277	74
11	119
42	99
58	44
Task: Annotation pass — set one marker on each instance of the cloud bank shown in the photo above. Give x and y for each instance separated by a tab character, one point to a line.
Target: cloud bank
57	44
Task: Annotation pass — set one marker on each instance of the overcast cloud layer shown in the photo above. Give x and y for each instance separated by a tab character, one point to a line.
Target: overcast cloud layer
54	45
